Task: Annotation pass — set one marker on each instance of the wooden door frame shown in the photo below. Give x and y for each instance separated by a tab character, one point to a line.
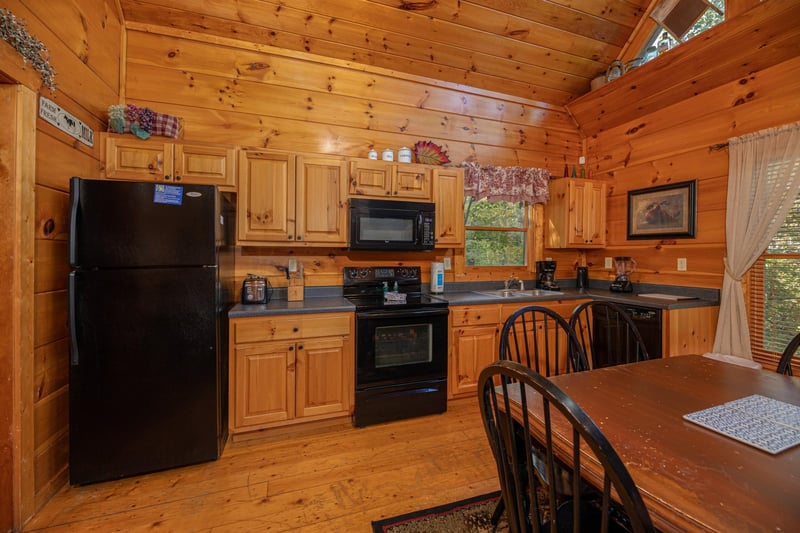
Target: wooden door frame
18	108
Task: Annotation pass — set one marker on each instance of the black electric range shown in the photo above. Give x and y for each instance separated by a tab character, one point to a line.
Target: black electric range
401	344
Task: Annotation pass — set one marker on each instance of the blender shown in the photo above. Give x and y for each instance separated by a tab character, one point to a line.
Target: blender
624	266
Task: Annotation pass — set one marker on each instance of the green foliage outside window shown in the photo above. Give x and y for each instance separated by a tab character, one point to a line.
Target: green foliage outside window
496	233
782	284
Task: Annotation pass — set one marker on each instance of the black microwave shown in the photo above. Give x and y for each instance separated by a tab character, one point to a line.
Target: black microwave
391	225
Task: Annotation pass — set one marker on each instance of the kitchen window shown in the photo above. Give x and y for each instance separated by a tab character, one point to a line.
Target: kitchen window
774	310
496	232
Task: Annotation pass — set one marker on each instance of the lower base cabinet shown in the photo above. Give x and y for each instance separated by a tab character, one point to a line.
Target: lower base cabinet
289	369
690	330
475	340
475	337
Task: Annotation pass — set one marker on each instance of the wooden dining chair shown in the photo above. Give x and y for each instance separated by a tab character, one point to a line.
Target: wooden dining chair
509	393
541	339
607	334
785	364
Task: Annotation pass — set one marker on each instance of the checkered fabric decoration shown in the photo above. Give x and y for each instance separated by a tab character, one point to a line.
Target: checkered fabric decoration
142	121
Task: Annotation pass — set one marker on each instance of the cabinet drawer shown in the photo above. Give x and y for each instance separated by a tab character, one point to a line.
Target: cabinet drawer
474	315
325	325
562	307
288	327
266	328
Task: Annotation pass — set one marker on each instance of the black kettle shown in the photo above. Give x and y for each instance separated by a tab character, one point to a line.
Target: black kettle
254	290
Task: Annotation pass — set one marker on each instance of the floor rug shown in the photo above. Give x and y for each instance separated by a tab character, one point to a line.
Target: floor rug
472	515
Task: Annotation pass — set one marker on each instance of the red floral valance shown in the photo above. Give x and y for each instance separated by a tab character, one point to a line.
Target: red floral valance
512	184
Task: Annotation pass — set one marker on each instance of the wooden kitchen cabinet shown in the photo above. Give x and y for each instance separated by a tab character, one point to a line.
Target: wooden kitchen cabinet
475	339
321	197
575	216
289	369
474	344
131	158
390	181
448	195
263	384
689	330
289	200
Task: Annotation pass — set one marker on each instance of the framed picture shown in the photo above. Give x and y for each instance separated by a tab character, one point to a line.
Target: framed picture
667	211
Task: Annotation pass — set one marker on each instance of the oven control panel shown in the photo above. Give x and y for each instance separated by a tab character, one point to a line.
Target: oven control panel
362	274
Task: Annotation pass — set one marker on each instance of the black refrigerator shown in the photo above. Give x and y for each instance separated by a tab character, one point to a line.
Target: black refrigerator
150	284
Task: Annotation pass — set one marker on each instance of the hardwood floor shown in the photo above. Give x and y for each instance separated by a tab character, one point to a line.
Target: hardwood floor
335	481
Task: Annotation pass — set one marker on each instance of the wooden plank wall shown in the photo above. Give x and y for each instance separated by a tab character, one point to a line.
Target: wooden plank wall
17	109
237	92
84	38
669	134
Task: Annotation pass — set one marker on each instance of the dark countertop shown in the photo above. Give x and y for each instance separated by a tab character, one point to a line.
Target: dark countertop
324	304
473	298
330	299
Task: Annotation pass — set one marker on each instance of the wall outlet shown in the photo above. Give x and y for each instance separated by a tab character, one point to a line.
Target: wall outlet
681	264
292	265
608	263
447	264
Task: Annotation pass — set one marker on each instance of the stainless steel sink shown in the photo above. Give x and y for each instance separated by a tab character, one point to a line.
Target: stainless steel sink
514	293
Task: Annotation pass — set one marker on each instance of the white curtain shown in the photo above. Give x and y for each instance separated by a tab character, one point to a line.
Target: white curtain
763	182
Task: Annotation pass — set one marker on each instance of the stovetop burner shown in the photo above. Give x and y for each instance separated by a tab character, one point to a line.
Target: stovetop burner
363	286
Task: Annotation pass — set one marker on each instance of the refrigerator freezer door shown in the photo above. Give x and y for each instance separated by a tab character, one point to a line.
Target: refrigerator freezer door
130	224
144	380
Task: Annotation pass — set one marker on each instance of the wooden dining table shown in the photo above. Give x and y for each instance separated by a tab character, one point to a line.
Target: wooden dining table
690	478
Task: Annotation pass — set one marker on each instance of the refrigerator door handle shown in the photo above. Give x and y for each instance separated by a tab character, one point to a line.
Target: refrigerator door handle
73	330
74	194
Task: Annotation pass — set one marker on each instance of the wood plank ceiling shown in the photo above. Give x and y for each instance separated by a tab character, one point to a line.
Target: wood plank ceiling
544	50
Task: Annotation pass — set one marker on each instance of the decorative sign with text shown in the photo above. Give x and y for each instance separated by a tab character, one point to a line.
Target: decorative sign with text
69	124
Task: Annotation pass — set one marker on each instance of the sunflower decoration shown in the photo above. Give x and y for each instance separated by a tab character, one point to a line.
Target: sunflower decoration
429	153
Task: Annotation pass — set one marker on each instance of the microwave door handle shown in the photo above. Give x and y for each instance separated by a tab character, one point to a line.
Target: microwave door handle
420	234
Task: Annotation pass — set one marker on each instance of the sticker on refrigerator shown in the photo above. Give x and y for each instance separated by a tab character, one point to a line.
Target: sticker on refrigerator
168	194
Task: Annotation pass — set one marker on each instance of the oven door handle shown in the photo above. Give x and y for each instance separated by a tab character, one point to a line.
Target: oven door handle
403	313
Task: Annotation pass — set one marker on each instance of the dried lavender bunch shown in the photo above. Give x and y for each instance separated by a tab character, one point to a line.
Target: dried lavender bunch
32	50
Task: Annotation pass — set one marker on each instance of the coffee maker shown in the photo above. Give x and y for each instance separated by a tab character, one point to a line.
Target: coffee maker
625	267
546	275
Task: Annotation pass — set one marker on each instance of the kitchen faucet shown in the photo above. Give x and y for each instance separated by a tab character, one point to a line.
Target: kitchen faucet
513	281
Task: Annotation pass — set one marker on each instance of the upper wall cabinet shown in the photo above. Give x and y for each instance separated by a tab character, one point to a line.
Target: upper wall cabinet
390	181
130	158
448	194
321	184
288	200
575	216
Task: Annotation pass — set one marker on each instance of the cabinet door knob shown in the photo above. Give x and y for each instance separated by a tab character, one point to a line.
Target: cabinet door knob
291	348
388	193
300	347
295	329
299	237
290	237
177	178
166	177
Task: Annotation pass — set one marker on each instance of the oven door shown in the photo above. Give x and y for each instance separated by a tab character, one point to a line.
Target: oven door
400	346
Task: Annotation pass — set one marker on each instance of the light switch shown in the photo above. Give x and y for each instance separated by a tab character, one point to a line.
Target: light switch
681	264
447	264
608	263
292	265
